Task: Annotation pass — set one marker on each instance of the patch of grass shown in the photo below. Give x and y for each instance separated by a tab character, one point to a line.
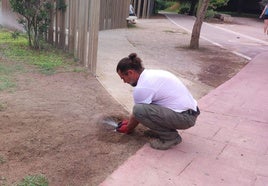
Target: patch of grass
131	25
6	38
35	180
6	68
47	61
2	160
3	107
78	69
6	75
175	32
7	71
6	82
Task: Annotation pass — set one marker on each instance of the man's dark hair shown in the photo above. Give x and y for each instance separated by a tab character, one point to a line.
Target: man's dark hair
132	62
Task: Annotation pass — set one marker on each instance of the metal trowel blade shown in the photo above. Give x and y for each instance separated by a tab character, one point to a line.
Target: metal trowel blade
111	123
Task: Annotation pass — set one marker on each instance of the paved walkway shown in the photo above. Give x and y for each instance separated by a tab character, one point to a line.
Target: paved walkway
228	145
244	38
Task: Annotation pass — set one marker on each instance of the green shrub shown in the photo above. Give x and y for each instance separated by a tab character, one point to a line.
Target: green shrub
184	8
160	5
210	14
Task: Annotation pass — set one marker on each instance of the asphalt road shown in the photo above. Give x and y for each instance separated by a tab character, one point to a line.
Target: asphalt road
244	36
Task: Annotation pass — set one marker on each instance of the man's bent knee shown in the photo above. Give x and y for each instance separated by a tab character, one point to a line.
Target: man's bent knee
138	110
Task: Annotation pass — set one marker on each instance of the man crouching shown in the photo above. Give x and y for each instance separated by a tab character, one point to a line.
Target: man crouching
162	103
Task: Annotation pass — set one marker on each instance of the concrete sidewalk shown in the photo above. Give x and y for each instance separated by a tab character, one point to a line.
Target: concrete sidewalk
228	145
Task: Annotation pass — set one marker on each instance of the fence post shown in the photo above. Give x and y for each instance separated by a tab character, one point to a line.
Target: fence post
71	26
86	42
62	26
94	17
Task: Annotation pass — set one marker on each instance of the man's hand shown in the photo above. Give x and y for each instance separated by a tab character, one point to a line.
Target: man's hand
122	127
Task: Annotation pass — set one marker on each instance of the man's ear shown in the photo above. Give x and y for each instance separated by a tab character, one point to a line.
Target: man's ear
130	72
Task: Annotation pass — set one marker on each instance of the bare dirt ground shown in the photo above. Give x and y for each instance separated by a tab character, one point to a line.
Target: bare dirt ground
50	124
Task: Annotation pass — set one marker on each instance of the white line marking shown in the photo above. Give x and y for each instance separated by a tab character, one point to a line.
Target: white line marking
217	44
241	35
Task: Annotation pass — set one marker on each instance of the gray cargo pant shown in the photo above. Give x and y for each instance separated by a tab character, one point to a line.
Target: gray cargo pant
163	121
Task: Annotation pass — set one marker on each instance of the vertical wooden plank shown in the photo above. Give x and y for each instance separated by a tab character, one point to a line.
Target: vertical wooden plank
105	11
152	7
139	9
109	16
144	8
124	13
67	13
93	33
113	15
50	29
102	15
118	13
85	37
72	17
148	8
81	13
57	26
134	3
76	27
69	6
62	30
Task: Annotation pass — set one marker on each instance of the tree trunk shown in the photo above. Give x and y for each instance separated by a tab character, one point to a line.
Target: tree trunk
203	5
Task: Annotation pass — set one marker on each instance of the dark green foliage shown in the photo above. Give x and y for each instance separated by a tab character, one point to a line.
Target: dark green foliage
161	5
184	8
214	4
61	5
35	18
15	34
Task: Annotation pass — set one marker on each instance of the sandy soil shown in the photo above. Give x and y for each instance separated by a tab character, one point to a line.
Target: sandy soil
51	124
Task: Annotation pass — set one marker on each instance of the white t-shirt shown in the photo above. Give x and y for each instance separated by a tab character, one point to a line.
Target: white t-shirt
163	88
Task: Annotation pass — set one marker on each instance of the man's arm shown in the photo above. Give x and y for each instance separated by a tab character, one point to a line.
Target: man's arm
132	123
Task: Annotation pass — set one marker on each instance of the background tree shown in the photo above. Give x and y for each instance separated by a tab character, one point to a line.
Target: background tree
203	5
34	16
213	4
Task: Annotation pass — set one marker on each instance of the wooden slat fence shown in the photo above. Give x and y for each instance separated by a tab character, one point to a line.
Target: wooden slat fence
113	14
76	29
143	8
